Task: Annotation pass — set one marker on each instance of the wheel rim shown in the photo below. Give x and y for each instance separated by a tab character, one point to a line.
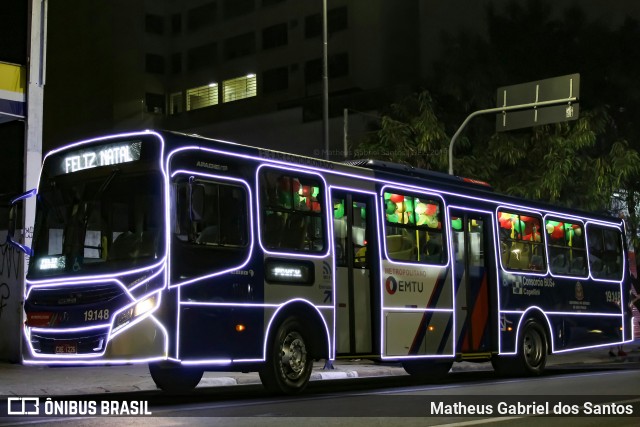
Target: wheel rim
293	356
533	347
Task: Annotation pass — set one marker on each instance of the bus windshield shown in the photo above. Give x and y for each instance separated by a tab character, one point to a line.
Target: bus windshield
97	221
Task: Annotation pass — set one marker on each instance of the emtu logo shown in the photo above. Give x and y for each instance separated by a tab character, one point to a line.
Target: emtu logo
391	284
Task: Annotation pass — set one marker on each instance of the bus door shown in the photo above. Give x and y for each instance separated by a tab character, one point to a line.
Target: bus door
474	275
355	255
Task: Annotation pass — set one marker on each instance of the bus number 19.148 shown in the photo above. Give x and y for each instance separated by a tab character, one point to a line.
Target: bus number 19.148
90	315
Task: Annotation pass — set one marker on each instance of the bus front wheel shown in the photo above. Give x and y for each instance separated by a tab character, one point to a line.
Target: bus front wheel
532	352
175	378
289	362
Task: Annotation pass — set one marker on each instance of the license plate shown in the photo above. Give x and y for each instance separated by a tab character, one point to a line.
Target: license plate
66	347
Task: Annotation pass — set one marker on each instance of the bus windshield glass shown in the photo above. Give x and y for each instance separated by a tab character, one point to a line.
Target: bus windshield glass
97	221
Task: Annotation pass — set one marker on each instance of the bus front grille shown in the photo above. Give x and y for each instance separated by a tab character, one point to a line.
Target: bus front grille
74	295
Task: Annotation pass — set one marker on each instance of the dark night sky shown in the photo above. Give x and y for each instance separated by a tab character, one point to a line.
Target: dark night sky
13	31
13	49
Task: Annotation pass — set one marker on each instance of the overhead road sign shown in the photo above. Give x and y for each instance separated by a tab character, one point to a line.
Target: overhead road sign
531	98
538	94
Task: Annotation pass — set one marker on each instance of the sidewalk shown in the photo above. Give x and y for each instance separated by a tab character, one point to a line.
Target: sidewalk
21	380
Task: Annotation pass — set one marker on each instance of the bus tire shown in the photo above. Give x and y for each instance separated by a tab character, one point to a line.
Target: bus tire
532	353
175	378
289	362
427	369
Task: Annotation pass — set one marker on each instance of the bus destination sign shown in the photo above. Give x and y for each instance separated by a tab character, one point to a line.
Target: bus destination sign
103	155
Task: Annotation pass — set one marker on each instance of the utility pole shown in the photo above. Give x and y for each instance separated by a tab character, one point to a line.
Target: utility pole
35	101
325	82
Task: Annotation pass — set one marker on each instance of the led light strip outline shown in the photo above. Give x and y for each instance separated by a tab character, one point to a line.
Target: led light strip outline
543	242
363	177
314	168
250	247
553	349
444	230
382	224
492	232
374	196
88	280
624	267
75	361
624	261
250	227
626	273
92	278
111	331
548	272
292	171
287	165
212	151
108	326
547	252
228	361
24	248
165	202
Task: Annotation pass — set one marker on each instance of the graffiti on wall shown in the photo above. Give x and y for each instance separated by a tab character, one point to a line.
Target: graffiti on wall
9	271
11	290
5	293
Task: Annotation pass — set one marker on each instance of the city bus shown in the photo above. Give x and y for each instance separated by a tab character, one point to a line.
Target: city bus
191	254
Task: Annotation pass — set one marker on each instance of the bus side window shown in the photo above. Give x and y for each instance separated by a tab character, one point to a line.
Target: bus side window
521	242
292	211
566	245
605	252
413	229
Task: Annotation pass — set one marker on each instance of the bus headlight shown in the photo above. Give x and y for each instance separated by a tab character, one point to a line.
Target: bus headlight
144	306
137	310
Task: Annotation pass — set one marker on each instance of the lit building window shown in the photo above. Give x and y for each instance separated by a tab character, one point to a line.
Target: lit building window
203	96
175	103
239	88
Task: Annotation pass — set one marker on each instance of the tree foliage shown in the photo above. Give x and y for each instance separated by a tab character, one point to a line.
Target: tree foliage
581	164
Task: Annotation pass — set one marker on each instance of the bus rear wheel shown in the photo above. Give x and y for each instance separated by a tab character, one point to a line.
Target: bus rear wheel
532	353
427	369
289	363
175	378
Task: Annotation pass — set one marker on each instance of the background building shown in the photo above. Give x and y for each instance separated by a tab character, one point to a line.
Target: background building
243	70
246	70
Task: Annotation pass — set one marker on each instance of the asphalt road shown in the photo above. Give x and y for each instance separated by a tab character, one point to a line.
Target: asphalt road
462	399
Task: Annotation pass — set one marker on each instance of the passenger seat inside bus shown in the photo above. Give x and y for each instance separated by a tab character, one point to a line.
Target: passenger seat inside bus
400	247
518	256
577	266
340	236
273	229
294	235
559	264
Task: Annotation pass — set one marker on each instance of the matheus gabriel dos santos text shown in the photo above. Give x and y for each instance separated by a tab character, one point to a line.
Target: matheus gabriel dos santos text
531	408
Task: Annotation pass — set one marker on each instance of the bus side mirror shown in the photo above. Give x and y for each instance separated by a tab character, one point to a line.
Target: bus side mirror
196	202
13	221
